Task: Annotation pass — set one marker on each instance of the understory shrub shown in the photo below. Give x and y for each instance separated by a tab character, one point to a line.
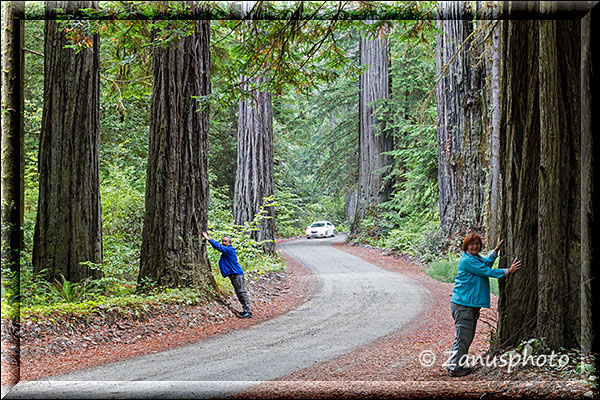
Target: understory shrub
445	270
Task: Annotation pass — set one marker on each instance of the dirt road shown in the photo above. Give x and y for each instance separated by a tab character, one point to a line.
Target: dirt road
357	303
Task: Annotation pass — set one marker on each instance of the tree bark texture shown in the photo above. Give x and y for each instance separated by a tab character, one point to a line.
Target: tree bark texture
540	136
68	227
350	204
495	104
177	189
12	70
590	84
559	210
463	153
374	140
254	177
519	143
13	67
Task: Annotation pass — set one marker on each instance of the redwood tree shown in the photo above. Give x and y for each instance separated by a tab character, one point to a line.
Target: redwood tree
374	140
68	228
463	152
590	87
12	176
173	253
254	177
12	133
541	219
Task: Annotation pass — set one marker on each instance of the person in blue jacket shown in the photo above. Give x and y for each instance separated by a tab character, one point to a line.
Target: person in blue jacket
230	267
471	292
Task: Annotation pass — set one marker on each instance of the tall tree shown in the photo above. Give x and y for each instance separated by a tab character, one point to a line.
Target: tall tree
540	138
519	144
495	103
254	177
462	139
12	133
177	186
374	140
13	67
559	209
590	85
68	228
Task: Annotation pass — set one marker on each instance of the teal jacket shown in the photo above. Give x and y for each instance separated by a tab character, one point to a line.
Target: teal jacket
472	284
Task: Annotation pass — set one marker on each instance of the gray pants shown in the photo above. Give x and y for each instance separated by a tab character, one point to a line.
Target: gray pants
465	321
240	290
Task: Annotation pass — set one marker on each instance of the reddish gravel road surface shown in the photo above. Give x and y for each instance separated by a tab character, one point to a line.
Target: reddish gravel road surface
383	365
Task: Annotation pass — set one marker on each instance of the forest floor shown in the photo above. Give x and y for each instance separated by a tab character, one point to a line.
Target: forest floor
386	368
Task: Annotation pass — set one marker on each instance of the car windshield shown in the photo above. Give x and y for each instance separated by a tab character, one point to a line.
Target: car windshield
317	225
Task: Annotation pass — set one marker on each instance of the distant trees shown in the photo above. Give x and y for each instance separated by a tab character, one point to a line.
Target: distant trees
68	230
177	187
374	140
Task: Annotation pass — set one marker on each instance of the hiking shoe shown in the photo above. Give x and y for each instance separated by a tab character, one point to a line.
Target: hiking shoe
246	315
459	371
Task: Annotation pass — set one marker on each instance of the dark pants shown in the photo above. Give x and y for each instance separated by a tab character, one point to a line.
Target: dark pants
240	290
465	321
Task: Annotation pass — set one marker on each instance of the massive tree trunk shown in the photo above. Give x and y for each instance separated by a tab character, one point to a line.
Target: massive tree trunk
559	210
68	227
177	189
374	140
541	173
12	135
463	153
519	145
13	67
254	177
590	84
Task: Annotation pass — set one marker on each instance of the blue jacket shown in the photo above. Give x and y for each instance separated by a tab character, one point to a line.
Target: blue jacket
472	284
228	263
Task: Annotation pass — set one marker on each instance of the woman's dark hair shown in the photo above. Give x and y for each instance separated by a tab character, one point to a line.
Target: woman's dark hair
471	237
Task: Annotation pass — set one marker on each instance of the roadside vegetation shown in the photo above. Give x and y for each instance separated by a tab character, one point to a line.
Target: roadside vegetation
315	157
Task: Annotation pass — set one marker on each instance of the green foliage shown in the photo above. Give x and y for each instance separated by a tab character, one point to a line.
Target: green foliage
249	251
294	214
132	305
69	292
223	148
445	270
411	117
10	293
289	213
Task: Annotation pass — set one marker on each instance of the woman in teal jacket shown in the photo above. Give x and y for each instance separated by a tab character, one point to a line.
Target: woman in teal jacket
471	292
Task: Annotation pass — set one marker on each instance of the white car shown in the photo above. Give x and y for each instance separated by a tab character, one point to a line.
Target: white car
320	229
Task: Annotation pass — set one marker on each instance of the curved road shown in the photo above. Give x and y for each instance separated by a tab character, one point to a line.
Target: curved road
356	303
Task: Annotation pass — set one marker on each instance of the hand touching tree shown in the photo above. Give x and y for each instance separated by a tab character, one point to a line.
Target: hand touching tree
516	265
499	244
